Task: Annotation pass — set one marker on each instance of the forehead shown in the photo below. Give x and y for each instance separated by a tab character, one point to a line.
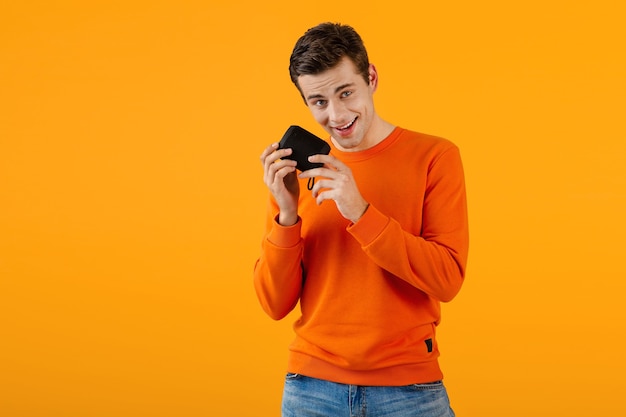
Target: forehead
326	82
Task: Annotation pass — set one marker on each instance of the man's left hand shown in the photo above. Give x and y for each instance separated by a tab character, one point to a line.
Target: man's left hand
336	183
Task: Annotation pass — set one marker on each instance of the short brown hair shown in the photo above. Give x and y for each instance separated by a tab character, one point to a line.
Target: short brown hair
323	46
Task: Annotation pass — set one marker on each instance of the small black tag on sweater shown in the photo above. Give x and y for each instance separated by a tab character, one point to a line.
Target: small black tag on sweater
429	344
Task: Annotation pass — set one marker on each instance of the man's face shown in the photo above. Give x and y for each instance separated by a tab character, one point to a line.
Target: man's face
342	103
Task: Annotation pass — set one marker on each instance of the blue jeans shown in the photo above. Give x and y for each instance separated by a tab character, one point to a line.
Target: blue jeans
308	397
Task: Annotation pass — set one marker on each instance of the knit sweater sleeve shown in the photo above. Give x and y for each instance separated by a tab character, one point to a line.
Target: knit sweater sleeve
278	270
435	260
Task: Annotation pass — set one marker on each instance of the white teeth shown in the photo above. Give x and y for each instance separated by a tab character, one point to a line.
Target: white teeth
348	125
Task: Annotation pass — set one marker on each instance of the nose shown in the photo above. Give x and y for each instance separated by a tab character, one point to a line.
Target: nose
337	113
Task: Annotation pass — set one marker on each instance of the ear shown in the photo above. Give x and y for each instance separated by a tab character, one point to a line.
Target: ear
373	77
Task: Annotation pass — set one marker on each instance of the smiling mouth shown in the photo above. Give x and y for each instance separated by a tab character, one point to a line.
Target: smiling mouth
348	126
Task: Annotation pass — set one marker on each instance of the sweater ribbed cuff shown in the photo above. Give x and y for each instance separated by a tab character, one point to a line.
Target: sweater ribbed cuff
285	236
369	226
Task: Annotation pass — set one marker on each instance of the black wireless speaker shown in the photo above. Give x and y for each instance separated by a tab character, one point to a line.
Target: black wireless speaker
303	144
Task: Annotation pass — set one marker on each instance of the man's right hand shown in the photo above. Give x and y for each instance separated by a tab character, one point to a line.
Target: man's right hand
280	177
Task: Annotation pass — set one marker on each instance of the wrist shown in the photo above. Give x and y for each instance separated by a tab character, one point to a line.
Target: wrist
362	213
287	219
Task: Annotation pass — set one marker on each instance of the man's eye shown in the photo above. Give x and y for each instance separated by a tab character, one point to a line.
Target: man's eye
320	103
346	93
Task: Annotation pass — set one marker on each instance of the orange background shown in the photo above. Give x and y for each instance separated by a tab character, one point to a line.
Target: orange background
132	203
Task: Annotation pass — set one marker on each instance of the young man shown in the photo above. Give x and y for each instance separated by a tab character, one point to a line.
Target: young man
369	252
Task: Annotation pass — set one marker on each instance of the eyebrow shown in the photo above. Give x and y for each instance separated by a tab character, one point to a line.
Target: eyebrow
338	89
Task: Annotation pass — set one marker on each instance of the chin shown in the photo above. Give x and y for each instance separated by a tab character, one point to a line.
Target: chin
347	144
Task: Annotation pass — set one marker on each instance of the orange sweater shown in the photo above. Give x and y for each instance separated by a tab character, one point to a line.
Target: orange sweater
370	291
